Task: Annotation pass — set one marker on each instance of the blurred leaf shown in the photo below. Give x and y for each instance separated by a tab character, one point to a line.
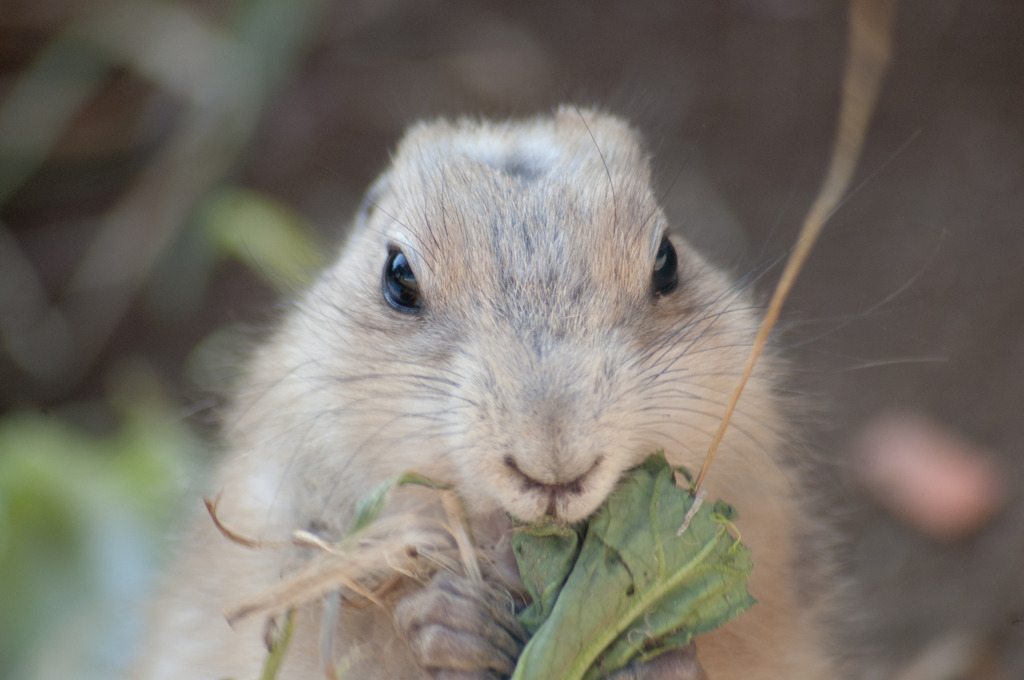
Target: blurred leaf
40	104
265	235
237	224
81	517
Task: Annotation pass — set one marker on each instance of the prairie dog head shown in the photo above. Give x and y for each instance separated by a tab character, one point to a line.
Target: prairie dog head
512	313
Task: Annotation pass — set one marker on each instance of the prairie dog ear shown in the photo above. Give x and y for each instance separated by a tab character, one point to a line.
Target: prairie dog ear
371	199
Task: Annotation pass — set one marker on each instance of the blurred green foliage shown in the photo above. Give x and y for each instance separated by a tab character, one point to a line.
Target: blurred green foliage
263	233
83	516
238	224
88	490
82	520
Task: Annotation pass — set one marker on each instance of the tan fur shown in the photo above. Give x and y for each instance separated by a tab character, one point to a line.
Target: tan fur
533	245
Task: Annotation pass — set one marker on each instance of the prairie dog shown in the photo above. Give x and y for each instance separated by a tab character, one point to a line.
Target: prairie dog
513	314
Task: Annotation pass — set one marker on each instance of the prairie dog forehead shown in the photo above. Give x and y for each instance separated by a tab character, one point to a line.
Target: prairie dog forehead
547	146
532	200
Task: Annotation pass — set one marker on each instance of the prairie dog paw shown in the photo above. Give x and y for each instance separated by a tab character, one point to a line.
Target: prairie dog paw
460	629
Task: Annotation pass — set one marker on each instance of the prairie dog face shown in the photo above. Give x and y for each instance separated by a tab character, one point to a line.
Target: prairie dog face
513	314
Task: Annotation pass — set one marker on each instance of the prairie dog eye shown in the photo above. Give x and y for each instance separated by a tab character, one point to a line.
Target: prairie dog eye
665	275
399	283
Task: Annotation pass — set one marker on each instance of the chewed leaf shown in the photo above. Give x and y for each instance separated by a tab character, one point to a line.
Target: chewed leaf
636	589
550	549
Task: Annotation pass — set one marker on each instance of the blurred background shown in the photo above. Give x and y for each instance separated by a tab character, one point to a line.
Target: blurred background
170	169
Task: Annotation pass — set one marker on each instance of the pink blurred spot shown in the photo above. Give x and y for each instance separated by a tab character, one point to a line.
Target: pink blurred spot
928	477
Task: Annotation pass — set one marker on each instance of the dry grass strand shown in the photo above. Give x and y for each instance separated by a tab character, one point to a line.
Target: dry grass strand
870	51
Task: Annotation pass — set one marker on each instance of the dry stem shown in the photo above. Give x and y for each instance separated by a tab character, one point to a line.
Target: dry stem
870	50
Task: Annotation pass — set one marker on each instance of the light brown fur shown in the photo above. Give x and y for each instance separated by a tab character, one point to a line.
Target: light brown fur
533	245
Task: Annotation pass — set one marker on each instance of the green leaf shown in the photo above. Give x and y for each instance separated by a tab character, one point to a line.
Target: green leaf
549	548
278	647
637	588
370	506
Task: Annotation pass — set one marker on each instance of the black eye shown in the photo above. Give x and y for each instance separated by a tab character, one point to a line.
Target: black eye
399	283
665	275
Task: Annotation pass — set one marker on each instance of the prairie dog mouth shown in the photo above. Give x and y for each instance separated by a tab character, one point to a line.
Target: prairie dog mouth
570	498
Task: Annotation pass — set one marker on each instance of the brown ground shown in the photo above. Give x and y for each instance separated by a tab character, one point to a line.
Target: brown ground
913	300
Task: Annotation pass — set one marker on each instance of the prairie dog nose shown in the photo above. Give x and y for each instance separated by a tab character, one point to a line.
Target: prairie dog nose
556	474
